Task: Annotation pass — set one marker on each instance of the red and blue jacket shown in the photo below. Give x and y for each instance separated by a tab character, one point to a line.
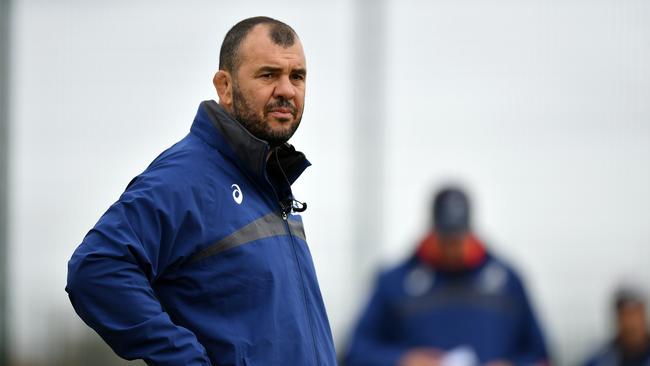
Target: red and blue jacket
203	259
421	304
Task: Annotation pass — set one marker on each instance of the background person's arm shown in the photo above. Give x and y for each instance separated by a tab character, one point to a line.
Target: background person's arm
531	349
370	344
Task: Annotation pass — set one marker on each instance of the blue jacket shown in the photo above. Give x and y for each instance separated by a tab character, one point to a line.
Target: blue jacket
613	354
202	262
414	305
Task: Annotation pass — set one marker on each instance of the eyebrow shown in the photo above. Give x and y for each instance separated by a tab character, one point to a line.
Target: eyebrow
300	71
274	69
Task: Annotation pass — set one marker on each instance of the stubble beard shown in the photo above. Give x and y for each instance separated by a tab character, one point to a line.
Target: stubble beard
258	125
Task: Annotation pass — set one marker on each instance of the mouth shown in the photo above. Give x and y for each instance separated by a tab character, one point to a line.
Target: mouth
281	112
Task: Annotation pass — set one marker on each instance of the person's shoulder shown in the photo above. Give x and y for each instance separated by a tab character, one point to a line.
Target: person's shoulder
181	169
191	158
188	153
401	268
495	261
495	268
394	275
605	355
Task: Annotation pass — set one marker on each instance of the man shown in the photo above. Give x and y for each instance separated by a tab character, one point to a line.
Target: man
203	259
451	303
631	345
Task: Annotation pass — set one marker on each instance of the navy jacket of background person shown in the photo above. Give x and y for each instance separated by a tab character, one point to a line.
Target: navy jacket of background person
613	355
417	305
202	262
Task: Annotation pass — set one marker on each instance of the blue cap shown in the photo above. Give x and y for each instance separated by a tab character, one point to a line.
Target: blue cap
451	211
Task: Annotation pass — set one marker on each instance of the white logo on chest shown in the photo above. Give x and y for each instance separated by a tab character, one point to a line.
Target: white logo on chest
419	281
493	279
237	194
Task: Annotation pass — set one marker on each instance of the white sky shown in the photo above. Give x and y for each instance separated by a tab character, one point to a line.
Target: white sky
541	108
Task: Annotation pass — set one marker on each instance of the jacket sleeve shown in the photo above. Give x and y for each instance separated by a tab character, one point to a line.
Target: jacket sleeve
110	276
371	343
531	349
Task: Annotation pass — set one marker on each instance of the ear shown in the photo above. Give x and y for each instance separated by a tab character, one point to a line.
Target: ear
222	81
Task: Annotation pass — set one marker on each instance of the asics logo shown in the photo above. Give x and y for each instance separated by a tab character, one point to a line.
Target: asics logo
237	194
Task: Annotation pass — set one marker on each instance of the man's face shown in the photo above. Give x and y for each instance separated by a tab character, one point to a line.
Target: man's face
268	87
632	326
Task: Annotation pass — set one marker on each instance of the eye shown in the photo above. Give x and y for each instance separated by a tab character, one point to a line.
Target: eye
298	77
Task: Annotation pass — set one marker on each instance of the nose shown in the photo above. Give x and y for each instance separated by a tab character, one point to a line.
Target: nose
284	88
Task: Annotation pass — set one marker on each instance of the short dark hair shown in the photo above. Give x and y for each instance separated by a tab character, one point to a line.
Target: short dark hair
281	34
628	294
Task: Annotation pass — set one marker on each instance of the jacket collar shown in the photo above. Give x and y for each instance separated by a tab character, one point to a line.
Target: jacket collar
473	252
220	130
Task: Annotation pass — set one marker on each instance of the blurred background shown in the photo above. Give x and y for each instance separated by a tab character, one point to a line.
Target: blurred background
540	108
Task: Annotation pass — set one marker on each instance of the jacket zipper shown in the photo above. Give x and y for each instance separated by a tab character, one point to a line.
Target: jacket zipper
285	218
304	290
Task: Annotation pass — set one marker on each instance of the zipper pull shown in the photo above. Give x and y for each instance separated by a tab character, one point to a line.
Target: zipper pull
285	210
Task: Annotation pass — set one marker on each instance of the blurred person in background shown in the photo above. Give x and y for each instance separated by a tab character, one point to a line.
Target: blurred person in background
203	260
451	303
631	344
